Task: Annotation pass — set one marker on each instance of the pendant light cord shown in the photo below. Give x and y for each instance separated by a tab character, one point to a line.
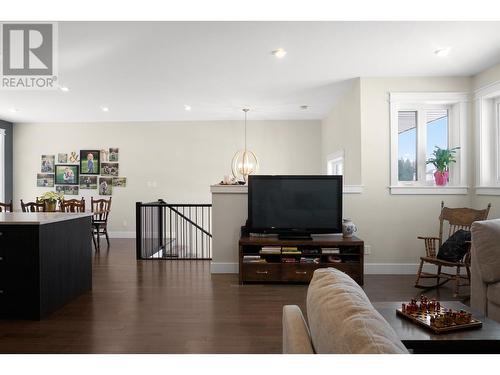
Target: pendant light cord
246	111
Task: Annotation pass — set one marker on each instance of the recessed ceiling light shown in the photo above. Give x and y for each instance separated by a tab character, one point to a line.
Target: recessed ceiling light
187	107
279	53
304	107
64	88
442	52
105	109
14	110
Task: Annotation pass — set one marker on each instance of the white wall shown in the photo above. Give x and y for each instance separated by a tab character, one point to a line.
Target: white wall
481	80
182	158
390	223
341	130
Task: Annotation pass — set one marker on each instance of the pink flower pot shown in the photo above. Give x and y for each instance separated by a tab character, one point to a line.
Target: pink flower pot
441	178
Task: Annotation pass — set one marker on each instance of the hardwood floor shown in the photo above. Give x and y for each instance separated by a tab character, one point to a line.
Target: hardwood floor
174	307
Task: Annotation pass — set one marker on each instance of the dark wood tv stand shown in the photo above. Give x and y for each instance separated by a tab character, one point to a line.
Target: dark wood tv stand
350	253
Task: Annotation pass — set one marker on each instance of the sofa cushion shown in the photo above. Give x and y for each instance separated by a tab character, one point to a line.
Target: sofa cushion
342	319
486	249
493	293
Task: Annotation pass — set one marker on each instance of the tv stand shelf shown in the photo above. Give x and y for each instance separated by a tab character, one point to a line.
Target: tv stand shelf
349	258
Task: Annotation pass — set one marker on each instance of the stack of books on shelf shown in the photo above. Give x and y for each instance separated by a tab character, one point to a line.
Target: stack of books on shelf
311	251
290	250
270	250
290	260
309	260
330	250
253	259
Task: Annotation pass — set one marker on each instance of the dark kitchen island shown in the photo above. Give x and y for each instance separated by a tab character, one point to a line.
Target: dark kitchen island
45	262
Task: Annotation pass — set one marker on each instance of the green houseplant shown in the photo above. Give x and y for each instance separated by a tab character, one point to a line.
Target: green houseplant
442	159
50	199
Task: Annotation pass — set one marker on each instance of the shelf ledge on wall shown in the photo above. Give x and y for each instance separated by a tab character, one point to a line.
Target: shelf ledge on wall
429	190
243	189
487	190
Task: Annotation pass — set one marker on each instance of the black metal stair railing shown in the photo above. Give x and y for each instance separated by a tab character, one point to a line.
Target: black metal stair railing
173	231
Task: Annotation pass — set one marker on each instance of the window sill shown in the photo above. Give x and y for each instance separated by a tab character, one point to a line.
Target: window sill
487	190
429	190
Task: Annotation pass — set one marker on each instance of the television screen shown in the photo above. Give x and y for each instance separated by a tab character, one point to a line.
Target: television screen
309	203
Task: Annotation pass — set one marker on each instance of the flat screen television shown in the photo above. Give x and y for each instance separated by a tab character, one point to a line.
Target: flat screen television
295	205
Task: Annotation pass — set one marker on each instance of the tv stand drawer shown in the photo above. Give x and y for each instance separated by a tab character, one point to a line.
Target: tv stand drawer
261	272
298	272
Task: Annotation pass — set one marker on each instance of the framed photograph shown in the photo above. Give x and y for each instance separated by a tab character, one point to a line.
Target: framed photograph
74	157
88	182
105	185
62	158
67	190
109	169
113	154
45	180
89	161
66	174
119	181
104	155
48	162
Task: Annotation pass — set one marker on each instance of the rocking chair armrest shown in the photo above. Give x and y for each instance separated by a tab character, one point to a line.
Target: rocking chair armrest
430	245
428	238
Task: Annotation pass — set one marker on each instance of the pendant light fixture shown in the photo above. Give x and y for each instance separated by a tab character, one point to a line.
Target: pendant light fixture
244	162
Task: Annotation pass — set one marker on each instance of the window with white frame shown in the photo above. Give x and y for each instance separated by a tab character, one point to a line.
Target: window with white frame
335	163
420	122
487	101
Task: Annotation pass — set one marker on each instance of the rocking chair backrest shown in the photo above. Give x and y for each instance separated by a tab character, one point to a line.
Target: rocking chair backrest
459	218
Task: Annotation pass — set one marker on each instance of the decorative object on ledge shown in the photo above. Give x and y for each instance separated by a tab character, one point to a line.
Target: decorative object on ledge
442	159
49	199
430	314
244	162
348	228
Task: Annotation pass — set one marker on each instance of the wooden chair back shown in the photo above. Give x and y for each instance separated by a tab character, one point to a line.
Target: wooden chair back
455	219
6	207
33	206
101	207
72	205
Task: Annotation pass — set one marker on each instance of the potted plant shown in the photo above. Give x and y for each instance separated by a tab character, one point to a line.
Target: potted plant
442	159
50	199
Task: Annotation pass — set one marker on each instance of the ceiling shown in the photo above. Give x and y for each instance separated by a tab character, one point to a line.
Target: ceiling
148	71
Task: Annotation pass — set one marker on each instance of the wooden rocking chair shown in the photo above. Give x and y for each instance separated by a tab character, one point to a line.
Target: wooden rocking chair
455	219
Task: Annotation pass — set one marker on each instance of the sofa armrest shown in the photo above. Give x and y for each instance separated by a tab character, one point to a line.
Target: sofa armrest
478	288
296	337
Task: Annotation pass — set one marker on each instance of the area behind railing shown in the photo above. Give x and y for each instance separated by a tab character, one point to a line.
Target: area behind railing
173	231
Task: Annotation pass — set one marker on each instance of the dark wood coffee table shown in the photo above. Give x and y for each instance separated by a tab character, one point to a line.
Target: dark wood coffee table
421	340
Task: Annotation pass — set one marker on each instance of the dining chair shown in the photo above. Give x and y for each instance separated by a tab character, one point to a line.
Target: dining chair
72	205
33	206
100	209
6	207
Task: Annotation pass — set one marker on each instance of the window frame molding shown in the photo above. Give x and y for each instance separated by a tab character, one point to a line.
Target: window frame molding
457	103
487	179
335	157
340	155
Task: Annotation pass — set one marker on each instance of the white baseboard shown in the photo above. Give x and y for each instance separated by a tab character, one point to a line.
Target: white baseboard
219	267
118	234
370	268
